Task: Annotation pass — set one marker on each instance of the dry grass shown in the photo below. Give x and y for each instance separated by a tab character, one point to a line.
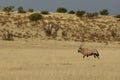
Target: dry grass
54	60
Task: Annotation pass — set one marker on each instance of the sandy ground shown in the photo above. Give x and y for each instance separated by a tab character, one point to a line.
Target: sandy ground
57	60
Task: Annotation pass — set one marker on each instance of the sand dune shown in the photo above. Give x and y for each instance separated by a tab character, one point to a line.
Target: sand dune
62	26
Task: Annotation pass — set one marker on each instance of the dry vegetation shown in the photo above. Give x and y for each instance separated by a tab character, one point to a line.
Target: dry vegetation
61	26
37	60
33	57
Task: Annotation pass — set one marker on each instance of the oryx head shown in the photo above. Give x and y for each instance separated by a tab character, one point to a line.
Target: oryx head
81	47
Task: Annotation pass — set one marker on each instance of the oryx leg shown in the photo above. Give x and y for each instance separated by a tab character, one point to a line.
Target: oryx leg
97	56
84	56
87	55
94	56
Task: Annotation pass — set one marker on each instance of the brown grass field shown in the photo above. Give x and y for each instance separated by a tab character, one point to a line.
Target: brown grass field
57	60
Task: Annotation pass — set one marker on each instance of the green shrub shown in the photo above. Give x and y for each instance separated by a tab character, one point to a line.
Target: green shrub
92	15
61	10
104	12
30	10
8	8
117	16
21	10
80	13
44	12
71	12
35	17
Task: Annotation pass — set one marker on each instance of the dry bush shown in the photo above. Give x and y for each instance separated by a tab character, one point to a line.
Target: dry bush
70	27
7	35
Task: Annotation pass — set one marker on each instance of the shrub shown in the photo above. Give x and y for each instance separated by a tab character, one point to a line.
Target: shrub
92	15
117	16
95	14
21	10
71	12
61	10
114	34
8	8
104	12
44	12
80	13
8	36
35	17
30	10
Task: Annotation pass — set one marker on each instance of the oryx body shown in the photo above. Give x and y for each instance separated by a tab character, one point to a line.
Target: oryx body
88	52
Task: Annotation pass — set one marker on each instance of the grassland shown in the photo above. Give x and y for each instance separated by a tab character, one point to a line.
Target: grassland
57	60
